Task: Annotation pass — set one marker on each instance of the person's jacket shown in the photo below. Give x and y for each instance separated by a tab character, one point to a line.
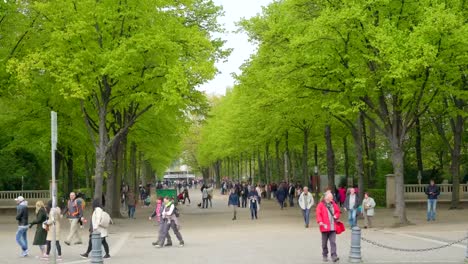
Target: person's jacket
74	209
281	194
356	204
306	198
432	191
323	216
22	213
233	199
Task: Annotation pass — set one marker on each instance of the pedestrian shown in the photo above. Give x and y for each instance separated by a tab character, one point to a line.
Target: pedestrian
53	220
74	211
22	218
351	205
169	217
158	214
327	214
432	192
210	196
342	194
291	194
205	194
368	205
254	204
157	210
244	195
41	234
100	221
186	195
131	204
306	201
234	201
281	194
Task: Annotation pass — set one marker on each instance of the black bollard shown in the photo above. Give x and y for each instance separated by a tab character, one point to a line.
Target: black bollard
96	252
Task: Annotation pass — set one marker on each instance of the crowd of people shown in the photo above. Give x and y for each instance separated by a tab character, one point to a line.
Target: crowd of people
328	211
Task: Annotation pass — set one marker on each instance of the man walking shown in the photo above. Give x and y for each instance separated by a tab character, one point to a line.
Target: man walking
432	192
74	211
291	194
327	213
22	218
169	218
234	201
352	202
306	201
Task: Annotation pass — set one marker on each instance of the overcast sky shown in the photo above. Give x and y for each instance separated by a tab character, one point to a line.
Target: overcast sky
234	10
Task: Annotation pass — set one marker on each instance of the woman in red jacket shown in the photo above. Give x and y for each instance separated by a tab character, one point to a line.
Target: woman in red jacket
328	213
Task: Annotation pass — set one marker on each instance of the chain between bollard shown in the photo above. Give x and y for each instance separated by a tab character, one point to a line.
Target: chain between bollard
413	250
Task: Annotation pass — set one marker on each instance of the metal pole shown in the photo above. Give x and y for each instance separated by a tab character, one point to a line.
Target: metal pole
355	254
466	251
53	130
96	252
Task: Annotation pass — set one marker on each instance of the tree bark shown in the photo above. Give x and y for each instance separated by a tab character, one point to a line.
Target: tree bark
373	156
330	158
356	131
69	161
305	155
277	160
398	171
418	148
367	165
346	159
286	157
457	125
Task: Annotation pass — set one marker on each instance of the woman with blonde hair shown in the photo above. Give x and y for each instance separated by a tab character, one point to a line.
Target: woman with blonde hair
54	220
41	234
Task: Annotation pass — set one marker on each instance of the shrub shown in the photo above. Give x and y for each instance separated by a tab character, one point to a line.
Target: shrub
379	196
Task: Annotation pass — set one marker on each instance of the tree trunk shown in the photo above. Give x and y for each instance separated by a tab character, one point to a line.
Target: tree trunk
305	156
267	163
330	158
367	169
373	156
346	159
418	150
357	138
398	171
133	167
457	127
286	157
69	161
260	166
218	172
101	153
278	160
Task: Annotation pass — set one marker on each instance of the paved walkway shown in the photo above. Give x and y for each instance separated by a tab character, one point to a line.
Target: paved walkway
277	237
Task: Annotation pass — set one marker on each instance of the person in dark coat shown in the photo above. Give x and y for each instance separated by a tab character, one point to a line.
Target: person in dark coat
22	218
41	234
281	194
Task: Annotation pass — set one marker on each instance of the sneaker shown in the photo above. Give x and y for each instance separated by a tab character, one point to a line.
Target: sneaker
154	243
335	259
307	226
84	255
67	243
325	259
106	256
158	246
181	244
78	243
168	245
59	258
45	257
24	253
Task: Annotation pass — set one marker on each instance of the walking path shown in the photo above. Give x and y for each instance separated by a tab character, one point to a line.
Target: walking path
278	236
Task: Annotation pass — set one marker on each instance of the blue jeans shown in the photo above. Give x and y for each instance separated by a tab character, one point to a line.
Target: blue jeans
131	211
306	214
431	209
352	217
21	237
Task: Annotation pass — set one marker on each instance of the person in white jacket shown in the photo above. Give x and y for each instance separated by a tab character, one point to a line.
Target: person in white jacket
306	201
98	224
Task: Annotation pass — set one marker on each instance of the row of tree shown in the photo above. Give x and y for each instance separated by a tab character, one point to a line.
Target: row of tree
390	75
122	77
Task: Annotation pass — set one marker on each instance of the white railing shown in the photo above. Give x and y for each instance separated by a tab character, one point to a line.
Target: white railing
444	188
11	195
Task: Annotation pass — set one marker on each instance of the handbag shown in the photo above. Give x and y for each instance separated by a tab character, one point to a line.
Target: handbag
339	226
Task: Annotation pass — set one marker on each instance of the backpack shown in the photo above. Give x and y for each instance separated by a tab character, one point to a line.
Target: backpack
105	220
